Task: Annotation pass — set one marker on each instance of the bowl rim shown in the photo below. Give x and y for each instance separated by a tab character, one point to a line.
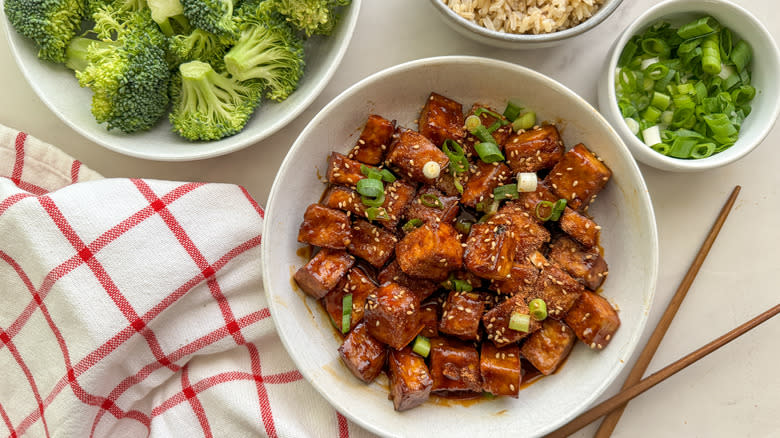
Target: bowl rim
287	166
678	164
199	151
601	14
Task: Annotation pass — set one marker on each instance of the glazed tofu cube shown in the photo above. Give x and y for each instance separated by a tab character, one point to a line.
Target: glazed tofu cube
431	205
593	320
446	183
534	150
522	278
429	317
430	251
578	177
461	315
548	347
584	264
558	290
397	196
529	235
362	354
441	118
454	366
374	140
528	201
393	315
410	380
496	322
355	283
344	198
500	369
482	180
343	171
323	272
325	227
487	115
371	243
489	251
581	228
409	153
419	286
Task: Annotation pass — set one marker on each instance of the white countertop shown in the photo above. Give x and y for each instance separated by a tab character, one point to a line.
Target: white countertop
734	392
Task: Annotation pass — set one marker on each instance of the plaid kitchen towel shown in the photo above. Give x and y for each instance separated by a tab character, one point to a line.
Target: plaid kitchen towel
134	308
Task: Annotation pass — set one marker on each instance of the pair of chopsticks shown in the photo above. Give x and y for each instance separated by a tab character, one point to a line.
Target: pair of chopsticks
634	384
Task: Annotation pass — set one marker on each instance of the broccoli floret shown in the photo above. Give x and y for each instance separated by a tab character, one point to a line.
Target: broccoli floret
208	105
169	15
51	24
199	45
268	51
123	5
215	16
126	69
311	16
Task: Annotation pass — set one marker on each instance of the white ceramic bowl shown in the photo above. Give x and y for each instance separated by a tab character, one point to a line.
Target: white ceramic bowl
520	41
59	90
765	73
623	209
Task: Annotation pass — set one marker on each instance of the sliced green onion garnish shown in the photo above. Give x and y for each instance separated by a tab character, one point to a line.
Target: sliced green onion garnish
456	182
346	313
741	55
526	121
488	206
374	213
527	182
703	150
431	200
512	110
660	100
370	187
458	161
655	47
557	210
710	54
453	283
489	152
661	148
387	176
508	191
412	224
520	322
697	28
497	116
538	309
544	204
463	225
422	346
472	122
483	134
373	202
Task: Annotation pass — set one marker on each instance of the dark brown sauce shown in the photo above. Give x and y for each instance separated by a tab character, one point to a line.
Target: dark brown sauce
304	252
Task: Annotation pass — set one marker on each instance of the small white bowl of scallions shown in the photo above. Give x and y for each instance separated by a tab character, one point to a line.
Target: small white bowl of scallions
692	85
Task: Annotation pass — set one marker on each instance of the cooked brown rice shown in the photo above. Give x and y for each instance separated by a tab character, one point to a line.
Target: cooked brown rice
525	16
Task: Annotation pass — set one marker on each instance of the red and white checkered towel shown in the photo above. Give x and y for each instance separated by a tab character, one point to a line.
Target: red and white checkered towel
134	308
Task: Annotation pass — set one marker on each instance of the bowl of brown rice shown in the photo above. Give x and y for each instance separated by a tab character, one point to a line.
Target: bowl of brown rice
523	24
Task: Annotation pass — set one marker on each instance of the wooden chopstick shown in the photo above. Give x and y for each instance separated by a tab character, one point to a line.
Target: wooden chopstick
643	385
611	420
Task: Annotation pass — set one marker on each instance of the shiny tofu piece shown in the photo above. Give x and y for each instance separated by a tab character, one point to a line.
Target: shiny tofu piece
558	290
441	118
419	286
593	320
534	149
461	314
344	198
431	205
410	380
371	243
578	177
487	115
528	201
522	278
325	227
363	354
446	183
496	322
454	366
501	369
430	251
323	272
528	233
549	346
429	317
583	229
586	265
410	151
360	286
482	180
374	140
343	171
397	196
489	251
393	315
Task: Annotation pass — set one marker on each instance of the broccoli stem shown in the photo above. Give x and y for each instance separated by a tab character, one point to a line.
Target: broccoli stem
254	56
206	90
77	52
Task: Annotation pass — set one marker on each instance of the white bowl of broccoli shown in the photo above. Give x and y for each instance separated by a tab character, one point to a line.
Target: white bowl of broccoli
178	79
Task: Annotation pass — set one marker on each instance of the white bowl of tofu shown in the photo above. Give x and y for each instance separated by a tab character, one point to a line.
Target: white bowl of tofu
423	247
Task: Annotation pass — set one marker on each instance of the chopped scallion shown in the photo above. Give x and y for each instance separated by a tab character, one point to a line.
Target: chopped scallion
489	152
512	110
520	322
346	313
527	182
507	191
422	346
526	121
412	224
538	309
370	187
431	200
